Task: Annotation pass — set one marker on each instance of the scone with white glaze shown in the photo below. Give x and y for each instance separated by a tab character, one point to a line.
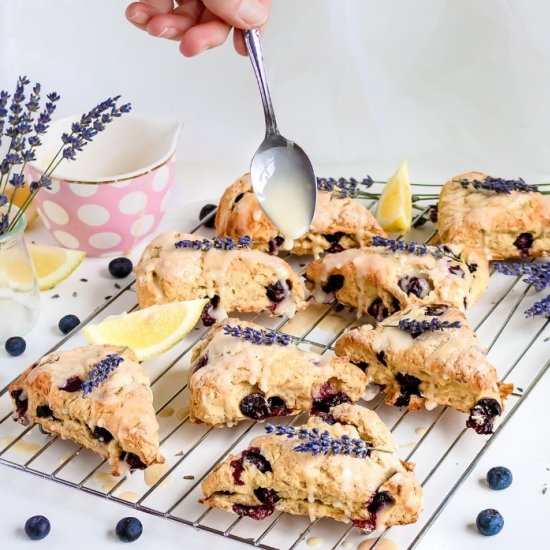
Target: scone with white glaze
416	363
239	279
339	223
502	225
379	281
270	475
113	417
240	372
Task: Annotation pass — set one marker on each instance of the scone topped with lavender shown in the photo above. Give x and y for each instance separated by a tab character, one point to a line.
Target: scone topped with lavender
97	396
179	266
502	218
347	469
340	222
391	274
429	355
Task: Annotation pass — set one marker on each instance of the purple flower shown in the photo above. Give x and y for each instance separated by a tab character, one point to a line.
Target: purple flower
3	200
500	185
258	337
540	308
316	442
416	328
400	245
538	274
100	372
17	180
216	242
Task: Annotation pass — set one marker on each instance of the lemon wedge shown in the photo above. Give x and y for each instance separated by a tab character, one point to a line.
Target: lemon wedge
395	205
53	264
149	331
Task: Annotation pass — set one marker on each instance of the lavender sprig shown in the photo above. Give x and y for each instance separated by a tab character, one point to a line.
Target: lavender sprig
418	249
416	328
100	372
344	187
216	242
500	185
26	123
258	337
540	308
401	245
317	442
538	274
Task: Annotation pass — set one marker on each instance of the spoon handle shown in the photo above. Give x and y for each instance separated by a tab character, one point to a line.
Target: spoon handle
254	46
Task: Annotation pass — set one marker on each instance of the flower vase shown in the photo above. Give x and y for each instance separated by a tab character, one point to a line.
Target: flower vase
19	294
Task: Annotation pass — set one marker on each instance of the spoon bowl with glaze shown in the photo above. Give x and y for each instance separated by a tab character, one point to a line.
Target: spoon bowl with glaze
282	174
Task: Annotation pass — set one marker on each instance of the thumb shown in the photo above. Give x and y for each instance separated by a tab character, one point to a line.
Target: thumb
242	14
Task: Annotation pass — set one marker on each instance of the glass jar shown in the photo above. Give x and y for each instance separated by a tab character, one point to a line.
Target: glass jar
19	294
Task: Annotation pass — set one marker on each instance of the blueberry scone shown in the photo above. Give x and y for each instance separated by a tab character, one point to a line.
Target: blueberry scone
429	355
379	281
339	223
371	491
241	371
96	396
503	218
178	266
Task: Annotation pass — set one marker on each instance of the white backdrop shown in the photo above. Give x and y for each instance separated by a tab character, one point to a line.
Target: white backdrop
452	85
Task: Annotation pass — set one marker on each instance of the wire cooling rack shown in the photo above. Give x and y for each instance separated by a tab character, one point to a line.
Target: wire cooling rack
444	451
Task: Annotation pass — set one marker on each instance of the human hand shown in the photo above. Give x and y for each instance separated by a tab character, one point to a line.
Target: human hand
199	24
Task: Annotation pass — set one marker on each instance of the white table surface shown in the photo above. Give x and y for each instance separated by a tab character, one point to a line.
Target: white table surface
85	521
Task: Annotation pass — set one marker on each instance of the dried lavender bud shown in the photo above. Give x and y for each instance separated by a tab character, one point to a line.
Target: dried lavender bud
416	328
540	308
500	185
216	242
101	372
400	245
317	442
538	274
258	337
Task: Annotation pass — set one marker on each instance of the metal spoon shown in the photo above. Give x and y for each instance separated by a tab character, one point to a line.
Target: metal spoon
282	174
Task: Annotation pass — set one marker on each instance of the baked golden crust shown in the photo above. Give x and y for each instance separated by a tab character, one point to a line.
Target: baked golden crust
493	222
340	223
279	380
380	282
446	367
239	278
337	486
116	420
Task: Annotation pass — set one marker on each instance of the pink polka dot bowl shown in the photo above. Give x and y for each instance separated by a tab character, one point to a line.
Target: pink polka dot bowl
116	191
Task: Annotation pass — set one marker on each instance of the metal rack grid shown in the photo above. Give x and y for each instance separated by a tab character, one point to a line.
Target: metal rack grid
193	448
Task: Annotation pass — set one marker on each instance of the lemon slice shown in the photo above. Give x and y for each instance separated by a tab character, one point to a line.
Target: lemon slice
149	331
53	264
395	206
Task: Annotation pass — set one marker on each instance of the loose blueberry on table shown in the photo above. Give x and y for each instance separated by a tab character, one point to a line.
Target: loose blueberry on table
499	478
205	210
489	522
68	323
15	346
129	529
120	267
37	527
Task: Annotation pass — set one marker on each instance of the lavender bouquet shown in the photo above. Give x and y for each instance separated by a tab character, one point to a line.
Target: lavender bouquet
22	124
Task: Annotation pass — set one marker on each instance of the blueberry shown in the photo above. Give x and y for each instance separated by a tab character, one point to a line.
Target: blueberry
334	283
120	267
73	384
205	210
68	323
489	522
37	527
15	345
43	411
275	292
102	434
414	285
499	478
129	529
254	406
